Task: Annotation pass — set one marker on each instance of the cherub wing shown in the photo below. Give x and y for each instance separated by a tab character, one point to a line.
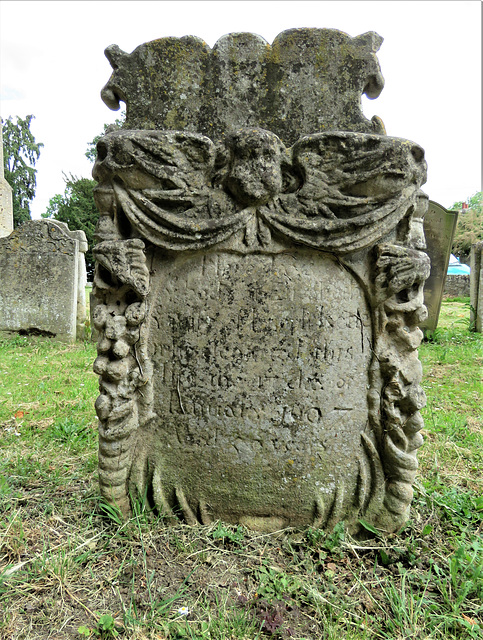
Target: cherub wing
162	181
354	189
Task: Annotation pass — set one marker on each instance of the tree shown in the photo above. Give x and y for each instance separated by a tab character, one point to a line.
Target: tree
91	153
469	228
77	208
20	153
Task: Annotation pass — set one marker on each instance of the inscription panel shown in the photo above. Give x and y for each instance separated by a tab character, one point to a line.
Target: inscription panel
259	360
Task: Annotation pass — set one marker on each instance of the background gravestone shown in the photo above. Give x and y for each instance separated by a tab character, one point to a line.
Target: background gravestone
259	280
439	230
6	204
476	287
41	267
81	307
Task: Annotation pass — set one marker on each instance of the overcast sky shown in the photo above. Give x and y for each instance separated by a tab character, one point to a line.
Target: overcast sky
52	65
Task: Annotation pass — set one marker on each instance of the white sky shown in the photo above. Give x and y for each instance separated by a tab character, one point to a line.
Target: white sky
52	65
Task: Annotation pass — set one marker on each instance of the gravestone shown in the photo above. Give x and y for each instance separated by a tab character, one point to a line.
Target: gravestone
439	230
42	280
81	307
6	204
476	288
259	281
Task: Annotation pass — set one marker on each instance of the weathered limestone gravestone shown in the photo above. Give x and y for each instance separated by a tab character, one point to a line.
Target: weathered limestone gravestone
476	287
43	280
439	230
259	278
6	204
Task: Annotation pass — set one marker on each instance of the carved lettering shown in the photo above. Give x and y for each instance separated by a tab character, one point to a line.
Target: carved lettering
242	364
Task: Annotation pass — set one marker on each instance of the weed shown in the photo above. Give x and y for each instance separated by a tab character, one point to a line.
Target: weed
70	431
317	538
105	628
227	534
275	584
111	512
272	617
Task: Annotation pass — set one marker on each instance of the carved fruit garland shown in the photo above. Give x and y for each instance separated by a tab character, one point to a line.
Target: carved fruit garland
400	276
121	286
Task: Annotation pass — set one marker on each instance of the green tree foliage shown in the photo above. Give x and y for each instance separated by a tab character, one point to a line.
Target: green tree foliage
20	153
470	225
91	153
77	208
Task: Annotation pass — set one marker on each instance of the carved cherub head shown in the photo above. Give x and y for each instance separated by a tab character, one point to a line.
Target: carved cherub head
256	160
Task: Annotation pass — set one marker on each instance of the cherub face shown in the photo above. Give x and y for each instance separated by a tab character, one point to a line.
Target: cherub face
255	174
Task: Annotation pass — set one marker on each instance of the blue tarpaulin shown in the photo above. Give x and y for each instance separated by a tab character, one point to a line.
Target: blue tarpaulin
455	268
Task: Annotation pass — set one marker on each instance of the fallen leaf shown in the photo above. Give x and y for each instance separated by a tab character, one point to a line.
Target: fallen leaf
19	414
470	620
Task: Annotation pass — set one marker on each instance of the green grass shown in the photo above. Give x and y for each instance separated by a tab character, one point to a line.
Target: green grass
70	567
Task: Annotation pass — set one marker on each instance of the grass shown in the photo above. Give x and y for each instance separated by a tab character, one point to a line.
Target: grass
70	567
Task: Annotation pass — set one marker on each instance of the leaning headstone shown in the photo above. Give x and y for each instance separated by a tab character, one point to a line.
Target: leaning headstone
439	229
40	263
259	280
81	308
476	287
6	203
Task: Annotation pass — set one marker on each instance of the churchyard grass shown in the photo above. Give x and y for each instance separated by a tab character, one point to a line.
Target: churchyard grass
71	567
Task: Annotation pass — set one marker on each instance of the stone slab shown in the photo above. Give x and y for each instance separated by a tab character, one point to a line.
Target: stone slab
6	202
39	263
439	229
6	208
476	287
260	369
306	81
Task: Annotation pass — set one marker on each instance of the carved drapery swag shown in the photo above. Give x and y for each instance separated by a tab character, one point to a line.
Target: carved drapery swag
347	194
331	191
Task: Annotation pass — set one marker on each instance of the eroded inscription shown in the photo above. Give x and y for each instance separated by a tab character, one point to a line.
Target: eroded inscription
259	358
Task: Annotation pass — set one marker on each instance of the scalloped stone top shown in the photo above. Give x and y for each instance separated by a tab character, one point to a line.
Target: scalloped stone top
306	81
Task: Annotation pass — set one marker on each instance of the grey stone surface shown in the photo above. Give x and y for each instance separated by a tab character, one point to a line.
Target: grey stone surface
6	203
6	208
476	287
439	229
456	286
42	276
259	295
306	81
92	306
